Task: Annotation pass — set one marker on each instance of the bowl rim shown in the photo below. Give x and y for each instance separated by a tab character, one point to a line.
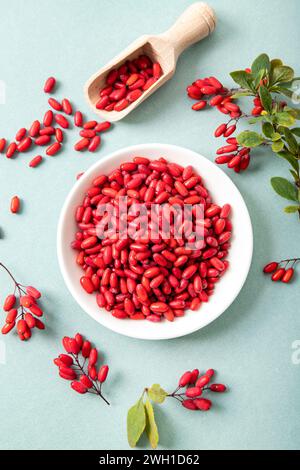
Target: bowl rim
193	326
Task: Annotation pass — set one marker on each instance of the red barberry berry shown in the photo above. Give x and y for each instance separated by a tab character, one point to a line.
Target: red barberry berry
202	381
193	392
270	267
220	130
218	388
102	374
203	404
33	292
9	302
185	379
79	387
194	376
189	404
278	274
93	357
288	275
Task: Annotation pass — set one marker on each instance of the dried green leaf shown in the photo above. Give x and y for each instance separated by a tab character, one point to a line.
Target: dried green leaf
157	394
276	63
284	188
250	139
151	427
291	209
136	422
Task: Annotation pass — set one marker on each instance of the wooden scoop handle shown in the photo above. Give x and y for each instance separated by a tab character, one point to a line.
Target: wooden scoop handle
195	23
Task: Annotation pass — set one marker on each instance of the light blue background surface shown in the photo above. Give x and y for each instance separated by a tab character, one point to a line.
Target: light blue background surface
251	344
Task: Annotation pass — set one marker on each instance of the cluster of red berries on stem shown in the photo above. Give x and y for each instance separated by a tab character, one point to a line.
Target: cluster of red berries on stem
234	155
281	271
195	385
81	369
22	309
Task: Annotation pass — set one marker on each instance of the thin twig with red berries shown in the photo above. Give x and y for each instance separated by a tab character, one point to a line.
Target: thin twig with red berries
22	309
72	366
141	417
282	270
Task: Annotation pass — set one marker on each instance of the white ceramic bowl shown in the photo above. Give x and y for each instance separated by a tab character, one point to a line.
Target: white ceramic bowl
222	190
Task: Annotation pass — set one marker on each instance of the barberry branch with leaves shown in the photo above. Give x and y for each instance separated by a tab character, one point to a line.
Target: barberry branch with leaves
263	81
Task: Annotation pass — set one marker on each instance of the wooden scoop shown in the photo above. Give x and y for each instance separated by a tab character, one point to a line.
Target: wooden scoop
197	22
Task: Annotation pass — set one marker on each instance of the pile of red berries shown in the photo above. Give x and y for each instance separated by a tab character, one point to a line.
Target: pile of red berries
22	310
195	385
145	275
84	378
127	83
281	271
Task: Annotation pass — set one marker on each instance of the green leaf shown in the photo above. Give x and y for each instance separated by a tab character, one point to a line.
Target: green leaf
284	119
283	91
250	139
290	158
282	74
291	209
262	62
239	94
254	120
136	422
276	136
296	131
157	394
266	98
261	74
277	146
284	188
294	175
275	63
268	130
243	79
151	427
295	113
291	141
294	79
